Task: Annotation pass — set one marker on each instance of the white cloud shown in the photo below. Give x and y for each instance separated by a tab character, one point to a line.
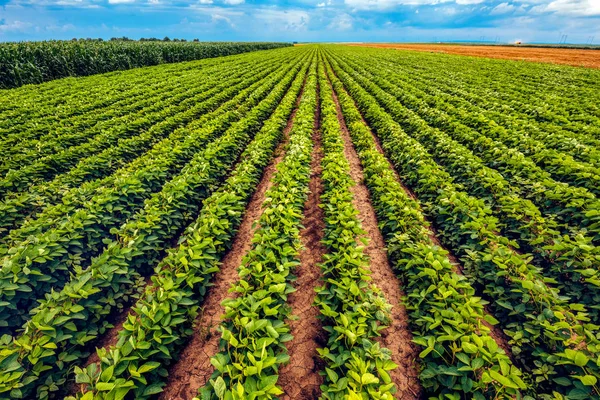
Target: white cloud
120	1
14	26
324	4
463	2
342	22
502	8
576	8
233	2
290	20
205	1
387	4
219	17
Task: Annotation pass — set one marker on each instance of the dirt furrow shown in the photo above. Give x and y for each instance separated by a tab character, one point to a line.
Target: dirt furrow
495	331
300	379
193	368
397	337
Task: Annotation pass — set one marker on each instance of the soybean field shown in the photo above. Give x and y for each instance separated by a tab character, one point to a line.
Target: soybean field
318	221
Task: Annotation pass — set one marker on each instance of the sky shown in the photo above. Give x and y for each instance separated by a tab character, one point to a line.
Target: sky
501	21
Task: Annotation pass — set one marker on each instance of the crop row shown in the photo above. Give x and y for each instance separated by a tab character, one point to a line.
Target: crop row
579	146
460	357
569	204
36	62
549	335
504	105
14	209
55	104
93	127
520	135
160	322
559	95
65	321
353	310
254	330
74	237
568	259
47	167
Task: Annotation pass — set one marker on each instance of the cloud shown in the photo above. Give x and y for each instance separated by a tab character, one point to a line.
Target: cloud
288	20
342	22
121	1
323	4
219	17
502	8
14	26
576	8
205	1
233	2
388	4
465	2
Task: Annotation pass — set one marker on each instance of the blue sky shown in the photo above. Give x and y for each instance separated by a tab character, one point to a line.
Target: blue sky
304	20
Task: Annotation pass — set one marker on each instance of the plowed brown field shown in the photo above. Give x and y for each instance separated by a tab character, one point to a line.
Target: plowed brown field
575	57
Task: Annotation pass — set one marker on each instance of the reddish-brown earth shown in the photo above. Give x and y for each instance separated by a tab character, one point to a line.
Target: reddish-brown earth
495	331
193	368
577	57
300	379
397	337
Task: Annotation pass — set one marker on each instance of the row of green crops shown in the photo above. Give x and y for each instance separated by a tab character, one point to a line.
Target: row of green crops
73	233
36	62
460	358
570	260
550	335
124	191
62	326
158	325
45	168
254	330
569	204
173	128
353	311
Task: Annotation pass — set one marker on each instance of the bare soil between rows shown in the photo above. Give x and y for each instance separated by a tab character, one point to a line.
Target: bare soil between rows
300	379
588	58
496	331
193	368
397	337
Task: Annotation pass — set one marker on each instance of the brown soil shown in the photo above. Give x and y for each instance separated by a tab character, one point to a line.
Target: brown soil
495	331
575	57
300	379
110	338
397	337
193	368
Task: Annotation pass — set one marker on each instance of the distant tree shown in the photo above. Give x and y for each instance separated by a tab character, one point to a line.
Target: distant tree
196	40
166	39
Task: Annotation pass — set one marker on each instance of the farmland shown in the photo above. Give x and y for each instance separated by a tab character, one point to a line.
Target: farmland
316	221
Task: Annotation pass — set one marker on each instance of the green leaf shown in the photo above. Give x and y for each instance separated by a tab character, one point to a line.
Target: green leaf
588	380
220	387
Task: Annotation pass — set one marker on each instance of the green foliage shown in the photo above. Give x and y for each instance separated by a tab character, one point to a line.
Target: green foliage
255	331
161	321
36	62
459	356
69	240
540	322
352	310
65	321
568	259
